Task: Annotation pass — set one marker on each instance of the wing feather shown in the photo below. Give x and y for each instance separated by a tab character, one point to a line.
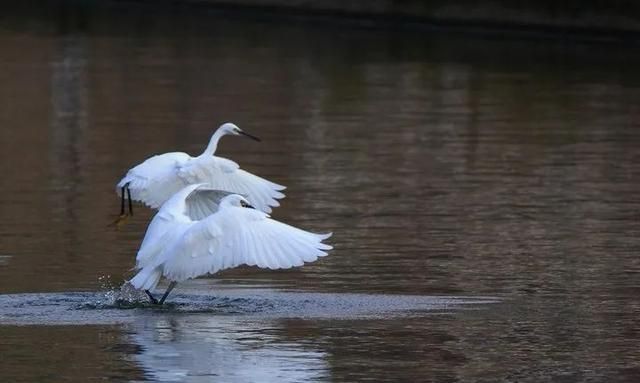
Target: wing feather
155	180
221	173
236	236
202	202
158	233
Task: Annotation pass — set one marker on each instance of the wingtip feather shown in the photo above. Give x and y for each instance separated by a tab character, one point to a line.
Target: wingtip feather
324	236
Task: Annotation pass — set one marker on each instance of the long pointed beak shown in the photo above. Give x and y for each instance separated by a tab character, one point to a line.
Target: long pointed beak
249	135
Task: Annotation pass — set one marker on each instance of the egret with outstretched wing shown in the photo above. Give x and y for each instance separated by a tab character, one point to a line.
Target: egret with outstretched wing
158	178
202	231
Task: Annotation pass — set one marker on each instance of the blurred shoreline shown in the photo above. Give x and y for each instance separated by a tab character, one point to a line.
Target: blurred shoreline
592	20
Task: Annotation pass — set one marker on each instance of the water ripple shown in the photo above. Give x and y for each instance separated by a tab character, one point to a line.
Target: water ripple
83	308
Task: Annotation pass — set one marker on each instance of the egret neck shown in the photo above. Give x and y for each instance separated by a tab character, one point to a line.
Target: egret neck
213	143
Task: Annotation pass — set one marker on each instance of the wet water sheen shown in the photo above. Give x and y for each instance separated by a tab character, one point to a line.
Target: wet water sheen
483	195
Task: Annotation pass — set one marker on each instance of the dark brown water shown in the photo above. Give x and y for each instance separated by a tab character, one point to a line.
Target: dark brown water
483	196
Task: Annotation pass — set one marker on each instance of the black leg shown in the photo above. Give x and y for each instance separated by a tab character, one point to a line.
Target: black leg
122	201
151	297
130	204
166	293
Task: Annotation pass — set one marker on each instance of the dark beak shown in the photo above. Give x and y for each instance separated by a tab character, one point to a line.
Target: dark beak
249	135
244	204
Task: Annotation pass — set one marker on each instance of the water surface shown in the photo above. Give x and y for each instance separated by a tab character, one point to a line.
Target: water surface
446	165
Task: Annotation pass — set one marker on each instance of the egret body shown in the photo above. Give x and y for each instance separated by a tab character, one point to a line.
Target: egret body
158	178
202	231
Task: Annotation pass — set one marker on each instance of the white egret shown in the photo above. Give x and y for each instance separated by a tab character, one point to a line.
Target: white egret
202	231
158	178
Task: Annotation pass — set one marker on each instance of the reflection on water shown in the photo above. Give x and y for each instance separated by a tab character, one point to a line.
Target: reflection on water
179	348
448	165
254	334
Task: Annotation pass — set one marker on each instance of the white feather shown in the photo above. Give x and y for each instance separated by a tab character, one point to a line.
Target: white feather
230	237
193	202
223	174
155	180
158	178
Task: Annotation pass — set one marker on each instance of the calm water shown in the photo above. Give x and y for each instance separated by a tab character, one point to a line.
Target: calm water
483	196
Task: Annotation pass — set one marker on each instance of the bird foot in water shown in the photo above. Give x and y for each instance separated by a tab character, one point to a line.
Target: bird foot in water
152	299
120	221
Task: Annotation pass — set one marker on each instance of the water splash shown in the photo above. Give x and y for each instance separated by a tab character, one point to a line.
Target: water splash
116	295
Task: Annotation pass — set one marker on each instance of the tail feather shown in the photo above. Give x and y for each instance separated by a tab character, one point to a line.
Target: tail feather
147	278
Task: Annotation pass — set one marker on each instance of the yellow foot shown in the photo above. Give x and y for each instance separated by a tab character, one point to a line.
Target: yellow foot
122	219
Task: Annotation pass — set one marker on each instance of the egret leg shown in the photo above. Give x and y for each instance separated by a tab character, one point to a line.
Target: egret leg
151	297
122	219
122	201
166	293
130	203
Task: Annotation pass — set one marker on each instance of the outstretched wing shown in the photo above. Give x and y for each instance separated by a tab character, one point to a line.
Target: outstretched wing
155	180
223	174
237	236
202	202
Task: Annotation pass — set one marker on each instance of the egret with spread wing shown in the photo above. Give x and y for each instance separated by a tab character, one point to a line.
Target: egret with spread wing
158	178
202	231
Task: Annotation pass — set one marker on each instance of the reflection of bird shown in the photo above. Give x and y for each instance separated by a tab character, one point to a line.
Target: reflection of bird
158	178
200	230
219	348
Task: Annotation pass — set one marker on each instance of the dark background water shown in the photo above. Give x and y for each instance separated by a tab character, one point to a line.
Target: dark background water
445	164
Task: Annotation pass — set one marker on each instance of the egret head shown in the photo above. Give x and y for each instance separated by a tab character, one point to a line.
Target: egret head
235	200
230	128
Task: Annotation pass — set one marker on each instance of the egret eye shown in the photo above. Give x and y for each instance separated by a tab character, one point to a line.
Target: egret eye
244	204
